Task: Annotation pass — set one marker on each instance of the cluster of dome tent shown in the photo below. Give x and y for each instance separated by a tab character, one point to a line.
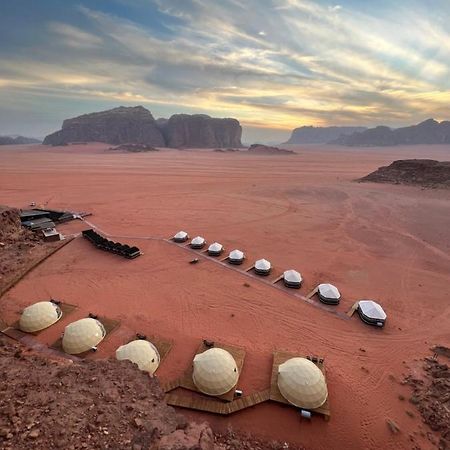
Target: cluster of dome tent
214	373
369	311
85	334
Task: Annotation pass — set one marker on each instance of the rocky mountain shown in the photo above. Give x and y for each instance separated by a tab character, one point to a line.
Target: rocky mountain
201	131
122	125
428	132
320	135
17	140
419	172
136	125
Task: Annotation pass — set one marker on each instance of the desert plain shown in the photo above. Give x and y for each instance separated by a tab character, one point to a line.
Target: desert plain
389	243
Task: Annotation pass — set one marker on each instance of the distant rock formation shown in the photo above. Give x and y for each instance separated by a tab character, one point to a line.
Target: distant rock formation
260	149
201	131
136	125
421	172
122	125
428	132
17	140
320	135
134	148
226	150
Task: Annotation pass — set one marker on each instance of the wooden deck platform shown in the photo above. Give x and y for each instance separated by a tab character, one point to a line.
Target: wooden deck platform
352	310
109	324
238	355
170	385
275	394
313	292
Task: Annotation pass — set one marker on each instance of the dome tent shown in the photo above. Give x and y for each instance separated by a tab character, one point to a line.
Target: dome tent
302	383
236	257
198	242
371	312
263	267
82	335
215	371
38	316
215	249
328	294
141	352
181	236
292	278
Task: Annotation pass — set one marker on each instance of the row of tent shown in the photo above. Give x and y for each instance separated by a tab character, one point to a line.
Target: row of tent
291	278
215	371
110	246
369	311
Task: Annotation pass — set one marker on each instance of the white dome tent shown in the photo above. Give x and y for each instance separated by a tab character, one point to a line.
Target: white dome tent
82	335
292	279
198	242
141	352
302	383
181	236
215	371
371	312
328	294
39	316
263	267
215	249
236	257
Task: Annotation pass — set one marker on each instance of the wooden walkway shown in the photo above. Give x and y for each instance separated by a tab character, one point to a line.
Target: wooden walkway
201	403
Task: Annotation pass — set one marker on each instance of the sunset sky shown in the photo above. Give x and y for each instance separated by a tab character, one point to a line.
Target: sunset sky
272	64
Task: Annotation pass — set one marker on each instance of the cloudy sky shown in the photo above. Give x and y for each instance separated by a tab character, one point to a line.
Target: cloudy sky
273	64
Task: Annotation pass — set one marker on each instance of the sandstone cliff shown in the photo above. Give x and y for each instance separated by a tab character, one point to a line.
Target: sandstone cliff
320	135
122	125
17	140
136	125
428	132
202	131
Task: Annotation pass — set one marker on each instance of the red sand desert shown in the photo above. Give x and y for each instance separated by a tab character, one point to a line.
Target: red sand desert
383	242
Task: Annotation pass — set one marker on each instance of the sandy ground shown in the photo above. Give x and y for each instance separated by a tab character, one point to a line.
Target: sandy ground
388	243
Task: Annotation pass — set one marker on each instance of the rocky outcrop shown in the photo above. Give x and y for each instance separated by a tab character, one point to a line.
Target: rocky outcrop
122	125
320	135
420	172
112	404
260	149
201	131
430	395
134	148
17	140
428	132
136	125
